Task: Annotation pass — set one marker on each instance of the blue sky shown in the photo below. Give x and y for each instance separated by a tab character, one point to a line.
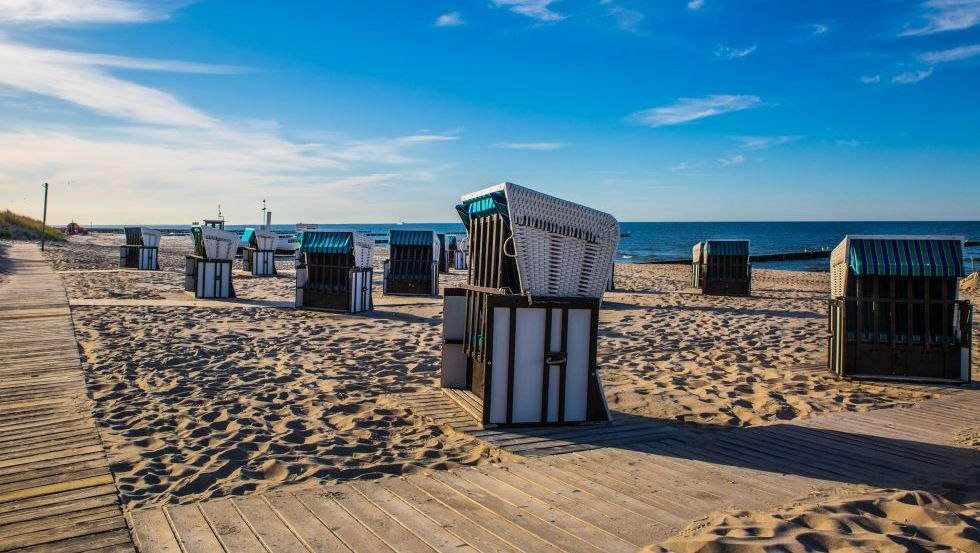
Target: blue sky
385	111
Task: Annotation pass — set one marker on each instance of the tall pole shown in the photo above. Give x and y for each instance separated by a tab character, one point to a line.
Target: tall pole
44	217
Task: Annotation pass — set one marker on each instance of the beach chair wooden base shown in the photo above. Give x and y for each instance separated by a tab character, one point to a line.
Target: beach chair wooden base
138	257
355	297
259	262
526	363
726	287
208	278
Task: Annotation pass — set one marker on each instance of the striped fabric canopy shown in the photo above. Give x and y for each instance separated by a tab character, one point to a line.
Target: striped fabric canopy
726	247
906	257
410	238
326	242
491	204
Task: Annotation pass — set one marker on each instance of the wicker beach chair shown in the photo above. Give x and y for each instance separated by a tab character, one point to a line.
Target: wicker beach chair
721	267
520	337
259	252
141	249
412	267
335	271
208	272
895	311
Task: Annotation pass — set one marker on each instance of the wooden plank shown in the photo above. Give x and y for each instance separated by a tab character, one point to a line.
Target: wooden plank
27	493
305	524
436	536
231	529
194	533
501	525
446	517
354	535
378	522
270	529
152	532
542	528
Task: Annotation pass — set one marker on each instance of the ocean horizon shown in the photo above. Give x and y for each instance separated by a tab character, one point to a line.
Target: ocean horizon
662	241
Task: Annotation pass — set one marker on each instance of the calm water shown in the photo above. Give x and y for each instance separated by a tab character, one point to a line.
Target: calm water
664	241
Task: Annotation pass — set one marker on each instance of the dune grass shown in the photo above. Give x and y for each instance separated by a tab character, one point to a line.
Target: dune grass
21	227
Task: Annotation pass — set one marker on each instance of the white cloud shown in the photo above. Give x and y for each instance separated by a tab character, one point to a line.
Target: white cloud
910	77
695	4
952	54
819	29
535	9
736	159
80	79
626	19
450	19
870	79
691	109
539	146
945	15
734	53
762	142
685	166
56	12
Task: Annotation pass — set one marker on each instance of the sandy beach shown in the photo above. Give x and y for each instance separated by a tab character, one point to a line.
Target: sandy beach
202	402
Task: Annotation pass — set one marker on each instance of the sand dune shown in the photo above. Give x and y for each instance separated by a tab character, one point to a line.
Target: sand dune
884	520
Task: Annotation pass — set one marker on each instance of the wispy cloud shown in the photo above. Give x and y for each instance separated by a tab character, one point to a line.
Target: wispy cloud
695	5
81	79
539	146
59	12
685	110
736	159
685	166
870	79
945	15
817	29
626	19
728	53
450	19
910	77
535	9
762	142
952	54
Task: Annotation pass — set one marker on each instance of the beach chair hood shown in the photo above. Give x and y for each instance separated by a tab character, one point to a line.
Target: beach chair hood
151	237
219	244
885	255
339	242
562	249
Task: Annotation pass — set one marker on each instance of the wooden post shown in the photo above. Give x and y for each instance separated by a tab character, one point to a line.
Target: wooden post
44	217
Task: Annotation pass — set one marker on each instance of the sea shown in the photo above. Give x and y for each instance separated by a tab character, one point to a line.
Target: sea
648	242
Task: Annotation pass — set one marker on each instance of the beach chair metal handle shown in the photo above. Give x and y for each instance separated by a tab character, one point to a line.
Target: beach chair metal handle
556	358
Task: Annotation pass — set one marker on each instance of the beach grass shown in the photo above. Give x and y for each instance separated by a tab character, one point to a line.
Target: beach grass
22	227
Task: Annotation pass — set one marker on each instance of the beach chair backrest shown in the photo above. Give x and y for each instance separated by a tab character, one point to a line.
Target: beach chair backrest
219	244
265	240
561	249
151	237
197	236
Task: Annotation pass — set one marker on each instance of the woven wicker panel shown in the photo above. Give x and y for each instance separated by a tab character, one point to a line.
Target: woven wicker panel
151	238
266	240
220	244
697	252
562	248
363	250
838	269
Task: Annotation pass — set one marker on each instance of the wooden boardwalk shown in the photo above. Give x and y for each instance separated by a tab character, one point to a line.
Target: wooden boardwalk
599	497
56	491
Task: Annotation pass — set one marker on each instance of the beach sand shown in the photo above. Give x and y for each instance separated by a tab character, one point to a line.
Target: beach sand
845	519
202	402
